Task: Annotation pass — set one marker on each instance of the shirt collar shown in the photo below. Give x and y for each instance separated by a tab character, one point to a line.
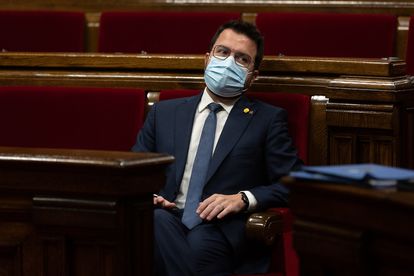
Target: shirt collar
206	100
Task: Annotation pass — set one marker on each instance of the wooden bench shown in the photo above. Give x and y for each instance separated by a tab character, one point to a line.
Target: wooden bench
369	116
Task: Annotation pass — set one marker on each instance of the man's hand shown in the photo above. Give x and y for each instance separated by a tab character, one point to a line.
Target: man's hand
219	206
162	202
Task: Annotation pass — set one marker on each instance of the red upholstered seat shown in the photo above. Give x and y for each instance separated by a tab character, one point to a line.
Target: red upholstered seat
409	58
328	34
168	94
42	31
159	32
284	260
70	117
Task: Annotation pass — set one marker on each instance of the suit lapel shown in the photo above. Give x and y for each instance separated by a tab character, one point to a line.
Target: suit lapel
183	128
236	123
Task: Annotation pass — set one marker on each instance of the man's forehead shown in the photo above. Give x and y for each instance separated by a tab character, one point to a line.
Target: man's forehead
237	42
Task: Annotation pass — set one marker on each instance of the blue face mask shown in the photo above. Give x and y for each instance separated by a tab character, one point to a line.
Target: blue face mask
224	77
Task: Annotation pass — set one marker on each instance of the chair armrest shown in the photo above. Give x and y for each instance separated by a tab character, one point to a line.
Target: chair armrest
266	226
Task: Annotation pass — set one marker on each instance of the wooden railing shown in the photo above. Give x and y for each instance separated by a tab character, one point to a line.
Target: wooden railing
369	116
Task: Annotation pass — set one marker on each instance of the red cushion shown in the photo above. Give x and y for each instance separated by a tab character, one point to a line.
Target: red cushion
160	32
168	94
410	48
42	31
78	118
328	34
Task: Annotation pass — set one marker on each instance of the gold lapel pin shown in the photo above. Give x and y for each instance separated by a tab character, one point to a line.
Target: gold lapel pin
247	110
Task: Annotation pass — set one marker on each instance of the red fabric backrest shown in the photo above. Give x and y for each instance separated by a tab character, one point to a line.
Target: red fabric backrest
71	117
42	31
160	32
410	48
328	34
168	94
297	106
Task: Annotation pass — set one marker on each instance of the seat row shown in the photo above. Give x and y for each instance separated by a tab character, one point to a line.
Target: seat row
110	118
103	118
293	34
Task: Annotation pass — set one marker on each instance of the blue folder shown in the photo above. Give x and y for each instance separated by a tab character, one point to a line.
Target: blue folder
377	176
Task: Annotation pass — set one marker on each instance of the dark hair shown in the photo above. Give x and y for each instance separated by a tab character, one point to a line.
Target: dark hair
247	29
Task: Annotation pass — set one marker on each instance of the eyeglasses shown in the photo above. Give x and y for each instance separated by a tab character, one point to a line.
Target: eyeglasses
223	52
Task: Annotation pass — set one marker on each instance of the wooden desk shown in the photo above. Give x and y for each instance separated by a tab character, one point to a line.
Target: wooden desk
73	212
348	230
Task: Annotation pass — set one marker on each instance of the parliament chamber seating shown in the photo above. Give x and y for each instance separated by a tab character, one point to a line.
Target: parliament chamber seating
42	31
284	260
70	117
377	112
328	34
159	32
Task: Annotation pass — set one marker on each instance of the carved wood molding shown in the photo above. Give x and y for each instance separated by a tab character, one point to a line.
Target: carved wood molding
282	64
399	7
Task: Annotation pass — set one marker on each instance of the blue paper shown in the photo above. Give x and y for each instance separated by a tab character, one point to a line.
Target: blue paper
364	172
373	175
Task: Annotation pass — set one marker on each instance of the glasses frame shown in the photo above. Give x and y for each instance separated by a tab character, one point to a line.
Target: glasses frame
238	56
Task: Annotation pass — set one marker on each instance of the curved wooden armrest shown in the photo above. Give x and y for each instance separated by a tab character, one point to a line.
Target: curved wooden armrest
265	226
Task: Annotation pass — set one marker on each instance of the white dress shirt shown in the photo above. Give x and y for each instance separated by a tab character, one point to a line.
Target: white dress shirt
199	118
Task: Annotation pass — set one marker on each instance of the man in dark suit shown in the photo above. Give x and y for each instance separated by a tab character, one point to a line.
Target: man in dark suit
199	222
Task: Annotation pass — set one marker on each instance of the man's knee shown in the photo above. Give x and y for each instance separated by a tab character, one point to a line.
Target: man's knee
211	251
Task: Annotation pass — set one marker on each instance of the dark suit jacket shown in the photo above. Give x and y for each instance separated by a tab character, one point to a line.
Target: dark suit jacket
253	152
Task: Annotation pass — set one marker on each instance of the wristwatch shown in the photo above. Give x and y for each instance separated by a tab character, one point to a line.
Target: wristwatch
245	200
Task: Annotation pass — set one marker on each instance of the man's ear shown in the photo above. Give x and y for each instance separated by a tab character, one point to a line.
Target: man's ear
253	77
206	59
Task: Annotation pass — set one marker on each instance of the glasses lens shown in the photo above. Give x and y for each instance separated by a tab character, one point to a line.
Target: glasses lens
242	59
223	52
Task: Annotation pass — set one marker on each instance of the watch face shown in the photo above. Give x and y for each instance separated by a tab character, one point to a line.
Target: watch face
245	199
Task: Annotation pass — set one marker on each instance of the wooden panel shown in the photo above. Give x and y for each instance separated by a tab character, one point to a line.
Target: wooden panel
77	212
92	31
351	229
102	263
318	133
355	147
364	152
341	148
383	151
53	256
337	246
12	237
402	36
360	115
407	136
